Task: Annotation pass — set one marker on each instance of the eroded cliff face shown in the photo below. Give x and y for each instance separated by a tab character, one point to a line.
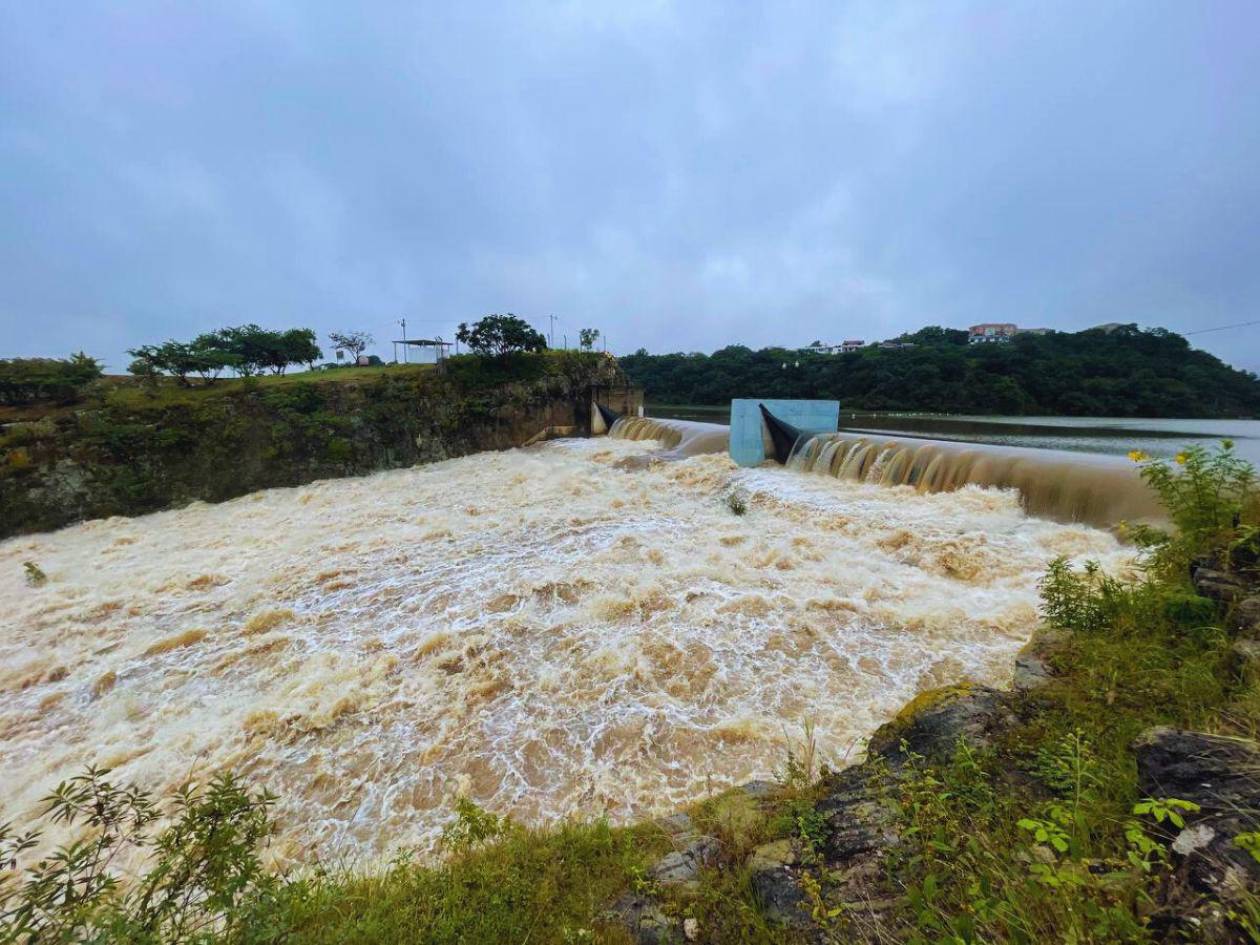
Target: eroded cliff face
129	457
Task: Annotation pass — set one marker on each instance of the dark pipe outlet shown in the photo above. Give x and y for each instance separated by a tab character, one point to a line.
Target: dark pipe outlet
610	416
784	435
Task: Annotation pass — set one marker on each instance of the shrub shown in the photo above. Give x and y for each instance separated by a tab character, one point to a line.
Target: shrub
1208	495
1078	601
46	380
203	874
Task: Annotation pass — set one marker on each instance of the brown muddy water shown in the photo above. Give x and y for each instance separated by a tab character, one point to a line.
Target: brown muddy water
552	631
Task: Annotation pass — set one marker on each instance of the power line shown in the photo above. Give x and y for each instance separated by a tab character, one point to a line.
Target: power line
1204	331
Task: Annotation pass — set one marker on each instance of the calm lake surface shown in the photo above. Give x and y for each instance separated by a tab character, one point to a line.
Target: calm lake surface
1079	434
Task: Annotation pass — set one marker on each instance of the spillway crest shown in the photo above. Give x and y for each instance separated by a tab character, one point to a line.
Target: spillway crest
1069	487
543	630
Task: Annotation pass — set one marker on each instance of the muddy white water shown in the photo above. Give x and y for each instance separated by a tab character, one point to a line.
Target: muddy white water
546	630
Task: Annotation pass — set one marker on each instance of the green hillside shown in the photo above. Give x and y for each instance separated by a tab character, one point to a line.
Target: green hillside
1127	372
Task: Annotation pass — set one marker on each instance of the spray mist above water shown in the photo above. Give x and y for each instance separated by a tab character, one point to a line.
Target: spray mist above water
544	630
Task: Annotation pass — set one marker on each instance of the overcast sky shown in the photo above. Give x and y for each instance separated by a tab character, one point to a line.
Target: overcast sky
681	175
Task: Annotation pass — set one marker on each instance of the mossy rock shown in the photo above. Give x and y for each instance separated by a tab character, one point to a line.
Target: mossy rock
933	723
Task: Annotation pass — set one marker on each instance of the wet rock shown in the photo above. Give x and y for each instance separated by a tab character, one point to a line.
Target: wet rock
1245	620
932	723
1245	659
1219	586
644	919
676	824
683	866
859	821
1031	672
776	883
758	790
1221	775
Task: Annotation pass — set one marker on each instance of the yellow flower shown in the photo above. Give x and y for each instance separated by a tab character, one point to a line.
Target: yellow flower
1137	456
1180	459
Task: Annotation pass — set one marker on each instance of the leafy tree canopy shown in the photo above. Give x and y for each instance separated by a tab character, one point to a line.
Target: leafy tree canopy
246	349
498	335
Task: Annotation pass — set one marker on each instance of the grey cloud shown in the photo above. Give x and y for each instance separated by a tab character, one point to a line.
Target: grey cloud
683	175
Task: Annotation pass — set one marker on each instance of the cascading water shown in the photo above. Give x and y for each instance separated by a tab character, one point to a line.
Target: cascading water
678	437
1071	487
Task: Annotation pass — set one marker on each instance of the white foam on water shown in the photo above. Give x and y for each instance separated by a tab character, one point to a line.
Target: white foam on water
546	630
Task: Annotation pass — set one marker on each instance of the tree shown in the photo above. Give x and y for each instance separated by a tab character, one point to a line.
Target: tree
353	341
208	356
587	337
249	344
499	335
170	357
300	347
34	380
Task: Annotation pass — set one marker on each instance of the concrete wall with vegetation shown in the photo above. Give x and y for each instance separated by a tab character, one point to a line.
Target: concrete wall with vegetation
125	451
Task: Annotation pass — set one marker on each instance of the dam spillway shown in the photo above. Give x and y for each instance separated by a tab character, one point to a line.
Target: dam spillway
1064	486
677	438
1069	487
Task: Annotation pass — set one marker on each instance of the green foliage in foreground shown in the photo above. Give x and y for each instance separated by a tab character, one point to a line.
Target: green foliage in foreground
509	884
203	879
1213	505
1046	838
1128	372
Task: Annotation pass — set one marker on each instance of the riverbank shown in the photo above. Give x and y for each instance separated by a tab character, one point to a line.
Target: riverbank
129	449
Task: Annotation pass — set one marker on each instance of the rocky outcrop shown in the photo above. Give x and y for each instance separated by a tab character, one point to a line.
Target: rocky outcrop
932	723
682	867
1222	776
132	455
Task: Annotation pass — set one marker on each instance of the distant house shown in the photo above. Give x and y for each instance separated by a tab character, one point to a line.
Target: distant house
991	333
843	348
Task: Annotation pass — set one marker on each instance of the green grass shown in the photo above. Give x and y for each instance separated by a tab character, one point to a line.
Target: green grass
523	886
974	869
127	393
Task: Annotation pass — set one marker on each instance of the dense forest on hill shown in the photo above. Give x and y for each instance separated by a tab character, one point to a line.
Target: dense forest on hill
1125	372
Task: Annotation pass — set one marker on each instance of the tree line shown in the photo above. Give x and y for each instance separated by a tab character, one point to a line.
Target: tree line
1125	372
46	380
246	349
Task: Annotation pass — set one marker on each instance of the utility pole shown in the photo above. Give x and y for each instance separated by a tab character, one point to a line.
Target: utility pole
551	336
403	321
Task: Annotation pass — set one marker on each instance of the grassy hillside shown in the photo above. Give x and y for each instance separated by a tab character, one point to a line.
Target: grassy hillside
1128	372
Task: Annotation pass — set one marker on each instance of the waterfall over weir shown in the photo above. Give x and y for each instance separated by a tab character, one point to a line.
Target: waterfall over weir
679	438
1068	487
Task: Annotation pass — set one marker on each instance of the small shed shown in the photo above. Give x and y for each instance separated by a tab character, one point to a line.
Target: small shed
438	346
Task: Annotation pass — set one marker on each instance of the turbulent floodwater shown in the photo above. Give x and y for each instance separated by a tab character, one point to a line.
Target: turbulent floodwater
549	631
